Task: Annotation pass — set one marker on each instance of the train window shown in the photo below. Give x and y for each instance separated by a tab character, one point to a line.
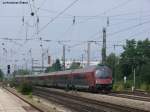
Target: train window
102	73
63	77
79	76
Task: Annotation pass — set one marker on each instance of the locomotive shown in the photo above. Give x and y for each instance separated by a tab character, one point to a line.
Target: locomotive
94	78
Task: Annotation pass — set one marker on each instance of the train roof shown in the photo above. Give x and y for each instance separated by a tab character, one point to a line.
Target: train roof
82	70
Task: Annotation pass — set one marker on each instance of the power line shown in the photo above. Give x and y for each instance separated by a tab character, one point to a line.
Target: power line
53	11
136	34
121	30
110	9
128	28
118	6
44	1
59	14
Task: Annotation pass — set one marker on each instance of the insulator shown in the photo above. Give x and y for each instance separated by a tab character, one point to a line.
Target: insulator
23	20
38	20
107	21
74	20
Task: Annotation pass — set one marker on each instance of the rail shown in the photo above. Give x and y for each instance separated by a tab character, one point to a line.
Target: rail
78	103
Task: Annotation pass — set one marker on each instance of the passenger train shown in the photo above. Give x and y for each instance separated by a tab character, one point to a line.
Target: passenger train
94	78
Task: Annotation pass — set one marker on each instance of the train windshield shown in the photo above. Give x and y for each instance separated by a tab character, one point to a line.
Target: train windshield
102	73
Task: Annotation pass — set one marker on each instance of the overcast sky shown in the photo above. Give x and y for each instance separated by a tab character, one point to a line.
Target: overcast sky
128	19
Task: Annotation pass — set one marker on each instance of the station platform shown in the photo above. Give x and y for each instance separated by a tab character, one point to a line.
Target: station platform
11	103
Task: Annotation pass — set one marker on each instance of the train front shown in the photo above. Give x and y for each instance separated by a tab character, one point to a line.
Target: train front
103	78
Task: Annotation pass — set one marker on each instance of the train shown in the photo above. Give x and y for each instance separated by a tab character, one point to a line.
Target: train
93	78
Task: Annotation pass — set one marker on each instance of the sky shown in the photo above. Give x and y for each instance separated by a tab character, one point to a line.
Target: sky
128	19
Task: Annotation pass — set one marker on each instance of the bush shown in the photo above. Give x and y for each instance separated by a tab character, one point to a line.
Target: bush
119	86
30	95
25	88
12	83
145	87
128	84
148	88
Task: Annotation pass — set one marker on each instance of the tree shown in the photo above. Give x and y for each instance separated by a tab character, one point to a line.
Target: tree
1	74
136	56
55	67
128	57
21	72
113	62
75	65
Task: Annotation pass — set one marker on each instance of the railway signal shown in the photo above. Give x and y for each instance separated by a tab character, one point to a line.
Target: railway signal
8	69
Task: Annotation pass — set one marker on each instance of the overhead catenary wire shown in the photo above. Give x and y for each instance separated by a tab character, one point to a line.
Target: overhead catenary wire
128	28
110	9
59	14
138	33
71	17
113	33
121	30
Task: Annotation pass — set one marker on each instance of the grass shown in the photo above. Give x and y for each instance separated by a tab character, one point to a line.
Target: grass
145	87
120	86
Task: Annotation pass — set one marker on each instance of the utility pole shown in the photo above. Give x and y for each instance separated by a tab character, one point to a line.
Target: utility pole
42	54
30	53
32	66
64	56
88	53
82	60
42	61
114	67
64	52
134	78
104	47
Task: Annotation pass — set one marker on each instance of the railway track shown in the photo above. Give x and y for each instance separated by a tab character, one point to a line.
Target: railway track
80	104
135	95
131	96
135	92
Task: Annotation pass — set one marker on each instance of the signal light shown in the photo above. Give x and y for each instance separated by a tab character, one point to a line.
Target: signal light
8	69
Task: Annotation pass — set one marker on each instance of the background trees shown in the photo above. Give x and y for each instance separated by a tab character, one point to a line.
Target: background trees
55	67
75	65
136	55
21	72
1	75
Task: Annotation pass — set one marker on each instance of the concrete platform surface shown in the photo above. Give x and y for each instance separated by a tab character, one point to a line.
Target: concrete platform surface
10	103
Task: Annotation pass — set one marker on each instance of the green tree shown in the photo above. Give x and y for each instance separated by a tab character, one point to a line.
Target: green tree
1	74
128	57
136	56
21	72
75	65
55	67
113	62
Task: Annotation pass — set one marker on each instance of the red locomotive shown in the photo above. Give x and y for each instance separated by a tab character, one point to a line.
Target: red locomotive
91	78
